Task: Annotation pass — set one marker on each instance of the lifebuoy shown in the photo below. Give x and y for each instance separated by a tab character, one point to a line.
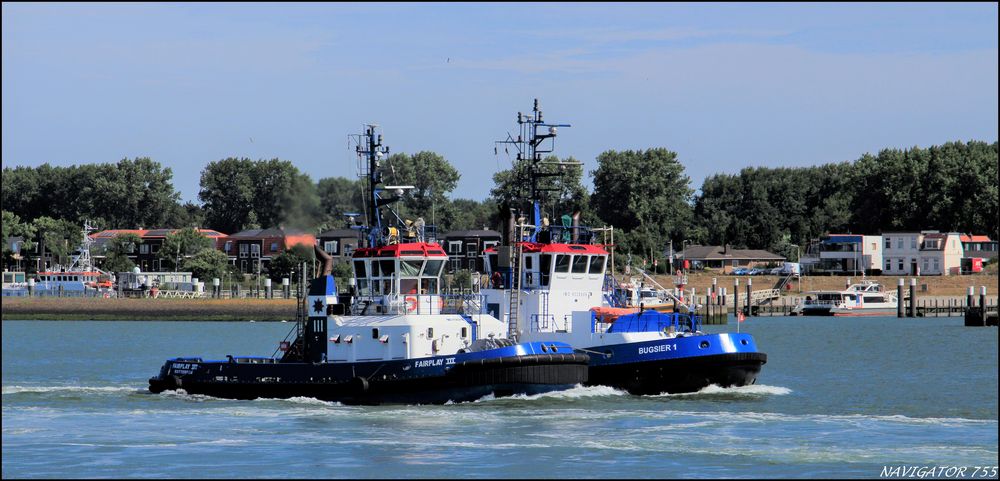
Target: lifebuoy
411	303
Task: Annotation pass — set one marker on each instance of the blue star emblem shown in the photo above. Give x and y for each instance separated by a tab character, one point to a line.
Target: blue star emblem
318	306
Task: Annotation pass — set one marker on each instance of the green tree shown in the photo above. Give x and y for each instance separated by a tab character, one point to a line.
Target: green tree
560	188
181	245
56	237
338	196
284	264
432	177
646	194
208	264
117	250
14	227
239	193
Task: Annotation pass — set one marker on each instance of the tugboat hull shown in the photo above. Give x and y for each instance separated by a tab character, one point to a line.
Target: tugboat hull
678	365
423	381
680	375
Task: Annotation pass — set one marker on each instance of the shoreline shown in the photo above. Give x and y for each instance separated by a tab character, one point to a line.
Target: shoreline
90	309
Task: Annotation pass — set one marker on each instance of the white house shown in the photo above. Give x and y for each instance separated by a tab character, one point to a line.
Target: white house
901	252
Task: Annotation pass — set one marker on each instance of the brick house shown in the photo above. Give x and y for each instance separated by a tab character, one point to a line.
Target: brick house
465	248
339	243
253	249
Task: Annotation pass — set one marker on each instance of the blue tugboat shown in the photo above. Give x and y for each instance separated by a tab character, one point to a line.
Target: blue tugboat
395	338
549	282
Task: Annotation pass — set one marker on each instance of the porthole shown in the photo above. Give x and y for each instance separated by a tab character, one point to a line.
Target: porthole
703	345
744	342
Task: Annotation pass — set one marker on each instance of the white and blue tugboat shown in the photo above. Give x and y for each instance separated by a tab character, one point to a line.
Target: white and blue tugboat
548	282
395	338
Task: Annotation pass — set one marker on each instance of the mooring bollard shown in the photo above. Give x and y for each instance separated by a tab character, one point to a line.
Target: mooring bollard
913	297
982	299
286	289
216	288
899	299
267	288
736	297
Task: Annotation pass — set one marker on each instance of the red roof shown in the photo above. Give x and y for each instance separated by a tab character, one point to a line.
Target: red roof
559	248
975	238
116	232
422	249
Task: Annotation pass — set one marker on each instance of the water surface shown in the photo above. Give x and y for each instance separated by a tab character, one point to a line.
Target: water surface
837	398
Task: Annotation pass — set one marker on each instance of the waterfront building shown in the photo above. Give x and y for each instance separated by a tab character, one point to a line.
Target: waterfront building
726	258
849	254
339	243
252	250
146	255
977	251
901	254
465	248
940	254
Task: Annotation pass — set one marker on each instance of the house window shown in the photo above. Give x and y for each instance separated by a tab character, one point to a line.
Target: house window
899	242
274	247
888	264
470	249
888	242
144	248
454	247
254	250
228	246
330	247
244	249
348	249
154	248
913	243
936	266
900	264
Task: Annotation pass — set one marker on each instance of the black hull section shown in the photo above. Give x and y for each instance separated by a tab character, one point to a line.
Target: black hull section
688	374
390	382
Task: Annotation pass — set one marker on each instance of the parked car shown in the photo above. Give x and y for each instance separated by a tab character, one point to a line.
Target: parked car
739	271
755	272
777	271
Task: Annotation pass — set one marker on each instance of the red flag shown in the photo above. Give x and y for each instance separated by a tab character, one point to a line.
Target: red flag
740	317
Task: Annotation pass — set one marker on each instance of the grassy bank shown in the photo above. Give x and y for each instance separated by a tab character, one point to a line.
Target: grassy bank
148	309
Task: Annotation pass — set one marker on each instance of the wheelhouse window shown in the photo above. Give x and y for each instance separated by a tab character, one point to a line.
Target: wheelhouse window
596	265
545	265
562	263
580	264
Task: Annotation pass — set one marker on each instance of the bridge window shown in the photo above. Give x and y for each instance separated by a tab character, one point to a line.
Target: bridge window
433	268
546	267
597	264
410	268
387	266
580	264
359	269
429	285
528	262
562	263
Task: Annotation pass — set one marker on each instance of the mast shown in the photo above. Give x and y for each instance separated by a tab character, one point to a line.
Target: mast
532	133
371	151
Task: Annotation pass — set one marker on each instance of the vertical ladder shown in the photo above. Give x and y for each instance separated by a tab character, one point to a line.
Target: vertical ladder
515	287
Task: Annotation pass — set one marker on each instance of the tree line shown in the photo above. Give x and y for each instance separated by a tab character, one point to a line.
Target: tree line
644	194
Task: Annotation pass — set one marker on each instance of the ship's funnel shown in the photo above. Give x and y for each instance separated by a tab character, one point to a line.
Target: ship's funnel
327	260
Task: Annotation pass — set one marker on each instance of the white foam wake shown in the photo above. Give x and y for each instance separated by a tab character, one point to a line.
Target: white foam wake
17	389
576	392
751	390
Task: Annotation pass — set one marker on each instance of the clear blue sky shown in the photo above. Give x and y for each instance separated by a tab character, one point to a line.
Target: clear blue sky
724	85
